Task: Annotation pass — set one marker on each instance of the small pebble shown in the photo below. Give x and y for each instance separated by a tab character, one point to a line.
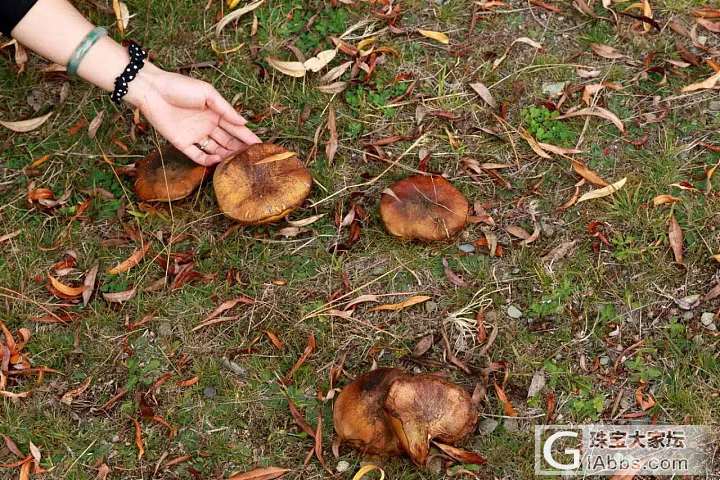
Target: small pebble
688	315
210	392
466	247
342	466
553	89
604	360
430	306
707	318
514	312
714	106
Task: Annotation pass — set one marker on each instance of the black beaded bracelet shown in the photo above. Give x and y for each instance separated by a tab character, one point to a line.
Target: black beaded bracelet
137	62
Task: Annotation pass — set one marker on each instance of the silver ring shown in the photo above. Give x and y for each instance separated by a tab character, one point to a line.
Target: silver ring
204	144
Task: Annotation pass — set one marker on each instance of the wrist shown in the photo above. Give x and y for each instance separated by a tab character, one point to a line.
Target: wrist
145	82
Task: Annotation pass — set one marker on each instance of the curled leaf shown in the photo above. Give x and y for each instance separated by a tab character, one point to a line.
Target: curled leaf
64	291
235	15
597	112
131	261
394	307
266	473
437	36
365	469
704	85
664	198
23	126
120	297
293	69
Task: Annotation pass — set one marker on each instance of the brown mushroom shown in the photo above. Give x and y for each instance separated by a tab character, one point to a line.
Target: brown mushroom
359	417
166	175
426	407
261	185
424	207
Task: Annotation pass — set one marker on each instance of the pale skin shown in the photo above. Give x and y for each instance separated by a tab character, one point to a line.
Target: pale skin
186	111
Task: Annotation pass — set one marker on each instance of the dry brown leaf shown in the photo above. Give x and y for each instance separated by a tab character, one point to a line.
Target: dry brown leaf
332	144
306	221
189	382
25	471
265	473
224	307
293	69
122	15
138	438
533	144
664	198
64	291
309	350
484	93
675	235
235	15
394	307
335	73
506	404
643	400
452	277
89	283
333	88
131	261
437	36
596	112
563	151
95	124
68	397
29	125
517	231
705	84
606	51
320	61
423	345
525	40
603	192
120	297
588	174
709	25
275	340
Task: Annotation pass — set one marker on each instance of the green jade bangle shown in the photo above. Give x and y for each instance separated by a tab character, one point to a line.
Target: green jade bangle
84	47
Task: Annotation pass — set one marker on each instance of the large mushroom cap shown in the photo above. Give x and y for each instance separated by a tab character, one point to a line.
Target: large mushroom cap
253	188
166	175
424	207
359	417
424	407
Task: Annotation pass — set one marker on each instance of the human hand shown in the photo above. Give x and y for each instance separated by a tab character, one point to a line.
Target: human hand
190	114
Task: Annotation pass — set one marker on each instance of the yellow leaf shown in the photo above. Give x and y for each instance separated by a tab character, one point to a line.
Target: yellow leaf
320	61
437	36
394	307
293	69
367	469
705	84
131	261
603	192
588	174
663	199
63	290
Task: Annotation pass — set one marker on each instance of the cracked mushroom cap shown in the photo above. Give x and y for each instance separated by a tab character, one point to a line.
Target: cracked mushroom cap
424	207
425	407
359	417
166	175
259	185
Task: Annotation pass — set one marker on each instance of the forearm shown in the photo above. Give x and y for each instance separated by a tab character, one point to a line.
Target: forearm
54	28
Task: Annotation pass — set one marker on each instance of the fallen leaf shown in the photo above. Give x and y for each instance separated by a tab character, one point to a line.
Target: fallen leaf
461	455
709	25
332	144
606	51
104	471
306	221
122	15
452	277
120	297
224	307
309	350
293	69
265	473
68	397
335	73
533	144
644	401
320	61
12	446
517	231
138	438
437	36
536	384
675	236
131	261
365	469
89	283
279	344
484	93
589	175
236	14
9	236
705	84
713	293
25	471
64	291
596	112
603	192
423	345
558	150
189	382
507	406
394	307
333	88
23	126
95	124
663	199
525	40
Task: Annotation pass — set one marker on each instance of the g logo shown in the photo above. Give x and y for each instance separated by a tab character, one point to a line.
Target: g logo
547	451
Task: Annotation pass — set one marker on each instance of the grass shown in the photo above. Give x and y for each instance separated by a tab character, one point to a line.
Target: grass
579	313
